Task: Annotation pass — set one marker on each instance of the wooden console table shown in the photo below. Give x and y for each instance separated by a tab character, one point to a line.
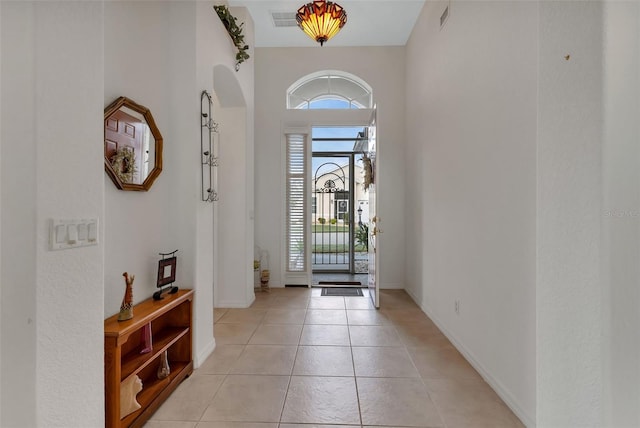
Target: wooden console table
171	327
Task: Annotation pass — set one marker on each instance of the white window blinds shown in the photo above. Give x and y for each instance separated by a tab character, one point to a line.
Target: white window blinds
296	202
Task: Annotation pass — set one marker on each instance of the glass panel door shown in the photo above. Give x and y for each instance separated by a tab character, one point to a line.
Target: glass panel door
332	207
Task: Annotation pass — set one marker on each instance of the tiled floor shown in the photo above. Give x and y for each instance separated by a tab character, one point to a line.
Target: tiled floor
295	359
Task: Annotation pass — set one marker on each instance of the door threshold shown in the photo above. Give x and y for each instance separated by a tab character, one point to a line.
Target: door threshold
339	283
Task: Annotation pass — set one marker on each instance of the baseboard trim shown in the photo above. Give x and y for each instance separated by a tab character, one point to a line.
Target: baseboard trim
235	304
392	286
414	298
499	389
202	356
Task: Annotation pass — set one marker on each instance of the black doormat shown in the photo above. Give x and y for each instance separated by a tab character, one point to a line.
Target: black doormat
341	291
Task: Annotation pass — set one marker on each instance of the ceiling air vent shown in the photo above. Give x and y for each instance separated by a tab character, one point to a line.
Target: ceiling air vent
284	19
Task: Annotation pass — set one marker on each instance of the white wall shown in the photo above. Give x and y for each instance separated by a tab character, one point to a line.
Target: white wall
139	225
278	68
0	213
180	44
471	164
52	168
621	214
19	184
63	62
161	38
234	112
249	91
569	279
214	50
233	291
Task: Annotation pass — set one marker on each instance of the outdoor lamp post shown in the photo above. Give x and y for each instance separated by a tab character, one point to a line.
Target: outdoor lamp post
360	216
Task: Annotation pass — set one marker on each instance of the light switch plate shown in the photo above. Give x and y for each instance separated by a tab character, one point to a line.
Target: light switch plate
73	233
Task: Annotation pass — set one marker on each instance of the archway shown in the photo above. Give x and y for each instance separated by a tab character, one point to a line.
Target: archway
233	225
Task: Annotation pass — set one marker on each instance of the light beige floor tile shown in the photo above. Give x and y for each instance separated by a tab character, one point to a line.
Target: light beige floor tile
291	291
363	302
415	333
285	316
434	341
263	300
396	299
331	335
218	313
470	403
373	335
290	302
366	317
396	402
189	401
321	400
411	315
274	334
326	302
233	334
221	359
383	361
316	426
249	316
420	324
442	364
323	361
235	425
391	396
248	398
168	424
266	360
427	338
326	316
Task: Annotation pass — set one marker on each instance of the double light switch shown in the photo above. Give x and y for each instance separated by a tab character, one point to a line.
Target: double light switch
65	234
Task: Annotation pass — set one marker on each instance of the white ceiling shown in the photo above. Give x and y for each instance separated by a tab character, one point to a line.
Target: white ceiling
369	22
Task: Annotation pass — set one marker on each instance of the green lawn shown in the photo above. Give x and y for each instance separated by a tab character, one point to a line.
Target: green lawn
334	248
327	228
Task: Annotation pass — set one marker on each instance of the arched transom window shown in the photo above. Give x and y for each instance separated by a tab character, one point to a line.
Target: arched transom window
329	89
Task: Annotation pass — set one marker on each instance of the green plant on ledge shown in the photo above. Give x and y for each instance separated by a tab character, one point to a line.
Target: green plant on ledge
235	32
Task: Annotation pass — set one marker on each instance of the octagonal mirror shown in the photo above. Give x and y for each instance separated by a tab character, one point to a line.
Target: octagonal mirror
132	145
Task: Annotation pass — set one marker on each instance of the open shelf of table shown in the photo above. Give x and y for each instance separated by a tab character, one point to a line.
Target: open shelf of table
171	327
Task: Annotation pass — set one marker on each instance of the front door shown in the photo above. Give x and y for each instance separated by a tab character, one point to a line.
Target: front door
371	172
124	131
332	208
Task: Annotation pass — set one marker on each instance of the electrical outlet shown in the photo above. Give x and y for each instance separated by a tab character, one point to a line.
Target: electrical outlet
457	306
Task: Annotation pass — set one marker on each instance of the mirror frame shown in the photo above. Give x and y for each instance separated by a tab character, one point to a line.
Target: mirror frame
157	168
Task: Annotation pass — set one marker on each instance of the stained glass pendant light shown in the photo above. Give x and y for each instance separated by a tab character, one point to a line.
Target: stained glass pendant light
321	19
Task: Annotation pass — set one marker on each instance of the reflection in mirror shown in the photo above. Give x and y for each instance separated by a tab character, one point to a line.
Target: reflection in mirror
128	142
132	145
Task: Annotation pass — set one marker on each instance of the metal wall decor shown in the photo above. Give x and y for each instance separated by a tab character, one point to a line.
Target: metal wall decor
208	139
